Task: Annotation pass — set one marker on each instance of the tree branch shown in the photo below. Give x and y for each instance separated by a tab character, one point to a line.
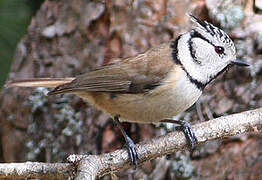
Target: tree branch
92	166
36	170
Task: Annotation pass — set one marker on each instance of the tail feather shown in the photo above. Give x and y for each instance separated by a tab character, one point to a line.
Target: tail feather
61	89
39	82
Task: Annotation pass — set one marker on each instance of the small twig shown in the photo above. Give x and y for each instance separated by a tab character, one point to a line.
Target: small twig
208	112
199	111
93	166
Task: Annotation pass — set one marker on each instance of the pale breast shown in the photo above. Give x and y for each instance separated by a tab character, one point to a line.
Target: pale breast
175	95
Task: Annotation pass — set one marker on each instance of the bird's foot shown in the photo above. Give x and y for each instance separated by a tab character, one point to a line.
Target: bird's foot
132	151
130	145
185	127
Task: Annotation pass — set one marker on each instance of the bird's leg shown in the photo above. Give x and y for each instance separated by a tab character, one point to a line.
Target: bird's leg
187	130
130	145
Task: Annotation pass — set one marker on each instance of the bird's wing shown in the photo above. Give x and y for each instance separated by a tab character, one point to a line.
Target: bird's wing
132	75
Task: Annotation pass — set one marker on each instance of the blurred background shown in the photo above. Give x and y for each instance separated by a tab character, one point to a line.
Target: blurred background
15	16
66	38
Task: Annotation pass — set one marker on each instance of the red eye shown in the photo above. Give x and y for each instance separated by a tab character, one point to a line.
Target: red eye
219	50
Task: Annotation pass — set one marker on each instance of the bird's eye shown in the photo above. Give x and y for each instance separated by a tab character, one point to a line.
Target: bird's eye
219	49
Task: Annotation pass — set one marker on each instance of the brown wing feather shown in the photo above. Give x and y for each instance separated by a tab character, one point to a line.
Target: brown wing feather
132	75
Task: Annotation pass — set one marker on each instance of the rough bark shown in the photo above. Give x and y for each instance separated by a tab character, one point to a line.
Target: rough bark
67	38
94	166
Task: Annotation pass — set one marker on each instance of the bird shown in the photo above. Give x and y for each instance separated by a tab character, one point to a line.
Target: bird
153	86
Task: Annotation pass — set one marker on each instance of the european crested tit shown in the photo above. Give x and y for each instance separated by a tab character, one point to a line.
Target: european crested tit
155	85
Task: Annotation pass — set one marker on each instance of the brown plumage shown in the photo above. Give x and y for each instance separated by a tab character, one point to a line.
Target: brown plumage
132	75
154	85
130	81
38	82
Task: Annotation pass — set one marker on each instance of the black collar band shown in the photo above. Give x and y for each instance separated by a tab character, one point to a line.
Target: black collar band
174	47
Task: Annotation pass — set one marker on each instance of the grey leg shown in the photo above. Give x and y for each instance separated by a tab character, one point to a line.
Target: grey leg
130	145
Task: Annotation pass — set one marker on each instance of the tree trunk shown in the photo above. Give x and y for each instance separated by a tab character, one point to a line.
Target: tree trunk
67	38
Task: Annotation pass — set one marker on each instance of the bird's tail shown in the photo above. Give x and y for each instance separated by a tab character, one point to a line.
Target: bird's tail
39	82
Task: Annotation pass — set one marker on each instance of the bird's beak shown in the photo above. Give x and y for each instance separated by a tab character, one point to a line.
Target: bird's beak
240	62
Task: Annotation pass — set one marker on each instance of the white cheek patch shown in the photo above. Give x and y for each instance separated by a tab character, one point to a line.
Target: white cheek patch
204	50
199	60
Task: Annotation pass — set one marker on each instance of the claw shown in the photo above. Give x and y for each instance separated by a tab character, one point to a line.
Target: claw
132	151
187	130
190	135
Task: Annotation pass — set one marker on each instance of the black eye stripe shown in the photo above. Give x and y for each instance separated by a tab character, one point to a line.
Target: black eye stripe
219	49
195	34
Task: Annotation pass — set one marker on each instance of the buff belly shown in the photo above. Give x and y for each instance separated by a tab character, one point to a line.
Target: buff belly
163	102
